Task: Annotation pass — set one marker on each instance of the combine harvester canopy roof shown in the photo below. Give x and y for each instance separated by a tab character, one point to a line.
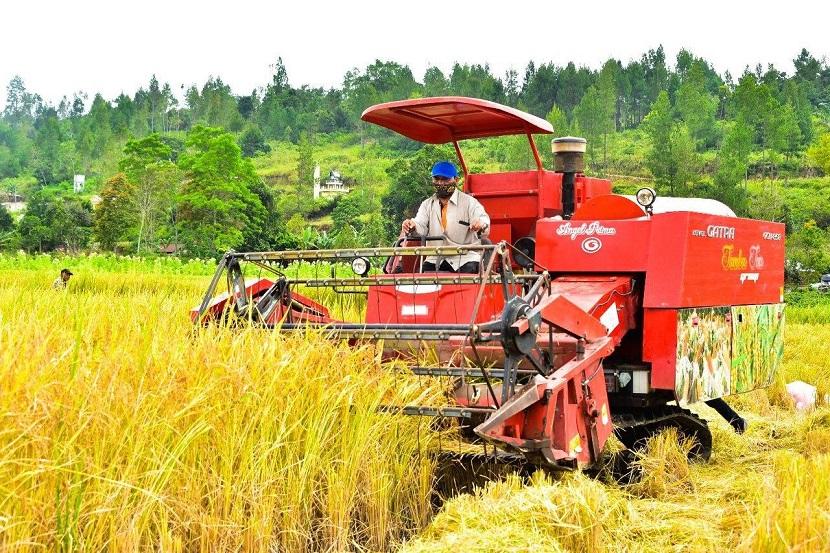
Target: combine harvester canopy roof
452	118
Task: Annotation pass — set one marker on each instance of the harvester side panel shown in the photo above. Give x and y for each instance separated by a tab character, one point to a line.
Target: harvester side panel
660	346
690	259
431	303
727	350
723	261
593	246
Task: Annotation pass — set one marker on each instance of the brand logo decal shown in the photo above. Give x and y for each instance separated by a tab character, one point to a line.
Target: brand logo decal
719	231
585	229
731	260
591	245
756	261
772	236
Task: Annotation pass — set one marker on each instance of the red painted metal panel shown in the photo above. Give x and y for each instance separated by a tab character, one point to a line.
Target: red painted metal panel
660	346
520	198
586	188
610	207
699	260
607	298
431	303
550	194
451	118
499	232
592	246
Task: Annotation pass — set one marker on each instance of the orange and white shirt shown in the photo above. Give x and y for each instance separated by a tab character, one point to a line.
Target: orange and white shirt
430	221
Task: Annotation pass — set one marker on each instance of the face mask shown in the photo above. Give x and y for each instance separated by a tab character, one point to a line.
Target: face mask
444	191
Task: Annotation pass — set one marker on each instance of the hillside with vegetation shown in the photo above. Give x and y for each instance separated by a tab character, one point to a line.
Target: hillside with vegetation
220	169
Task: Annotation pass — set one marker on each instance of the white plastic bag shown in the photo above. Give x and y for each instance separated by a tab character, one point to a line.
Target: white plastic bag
803	394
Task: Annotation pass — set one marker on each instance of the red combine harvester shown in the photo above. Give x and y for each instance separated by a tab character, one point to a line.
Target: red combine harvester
593	313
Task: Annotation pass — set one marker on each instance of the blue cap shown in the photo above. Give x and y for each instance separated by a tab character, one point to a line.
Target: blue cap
444	169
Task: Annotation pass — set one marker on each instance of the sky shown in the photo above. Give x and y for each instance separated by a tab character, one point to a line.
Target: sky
62	47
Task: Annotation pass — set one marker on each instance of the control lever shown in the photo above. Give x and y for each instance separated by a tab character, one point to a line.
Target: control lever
467	224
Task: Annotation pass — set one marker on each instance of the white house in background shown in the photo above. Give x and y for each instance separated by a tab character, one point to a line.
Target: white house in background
332	186
14	207
78	183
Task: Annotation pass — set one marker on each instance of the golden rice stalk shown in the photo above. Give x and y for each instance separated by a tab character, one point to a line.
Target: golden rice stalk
664	465
794	515
124	428
573	514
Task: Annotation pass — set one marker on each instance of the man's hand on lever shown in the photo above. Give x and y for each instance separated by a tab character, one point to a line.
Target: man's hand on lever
477	225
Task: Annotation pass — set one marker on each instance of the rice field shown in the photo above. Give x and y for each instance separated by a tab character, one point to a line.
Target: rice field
124	429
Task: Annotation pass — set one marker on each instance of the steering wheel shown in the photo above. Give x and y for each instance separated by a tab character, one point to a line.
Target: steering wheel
394	263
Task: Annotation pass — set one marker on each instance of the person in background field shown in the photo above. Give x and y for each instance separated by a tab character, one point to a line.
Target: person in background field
456	216
60	282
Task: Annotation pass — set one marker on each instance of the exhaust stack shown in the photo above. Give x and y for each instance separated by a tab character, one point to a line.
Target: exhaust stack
568	159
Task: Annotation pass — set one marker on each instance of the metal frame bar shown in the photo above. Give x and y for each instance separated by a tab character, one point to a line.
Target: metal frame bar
429	332
324	255
474	372
449	412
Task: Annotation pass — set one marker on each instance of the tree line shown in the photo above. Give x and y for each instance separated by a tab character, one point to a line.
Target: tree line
695	121
50	141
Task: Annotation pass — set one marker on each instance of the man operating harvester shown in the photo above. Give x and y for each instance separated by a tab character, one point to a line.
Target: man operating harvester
456	216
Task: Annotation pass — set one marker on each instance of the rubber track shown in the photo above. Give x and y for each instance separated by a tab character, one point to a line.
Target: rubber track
634	428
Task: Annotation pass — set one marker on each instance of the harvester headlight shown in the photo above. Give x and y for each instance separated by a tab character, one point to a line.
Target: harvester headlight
646	196
361	266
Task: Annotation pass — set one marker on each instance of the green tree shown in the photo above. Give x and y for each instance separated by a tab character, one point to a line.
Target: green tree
46	160
733	160
305	173
590	114
98	122
476	81
782	132
34	234
607	100
768	203
253	142
435	83
218	210
215	105
671	158
54	219
348	210
809	249
557	118
381	81
819	153
6	221
15	149
21	105
116	216
154	179
696	107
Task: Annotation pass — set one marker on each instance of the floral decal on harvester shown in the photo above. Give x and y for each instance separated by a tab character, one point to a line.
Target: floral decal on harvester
722	350
757	345
703	353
